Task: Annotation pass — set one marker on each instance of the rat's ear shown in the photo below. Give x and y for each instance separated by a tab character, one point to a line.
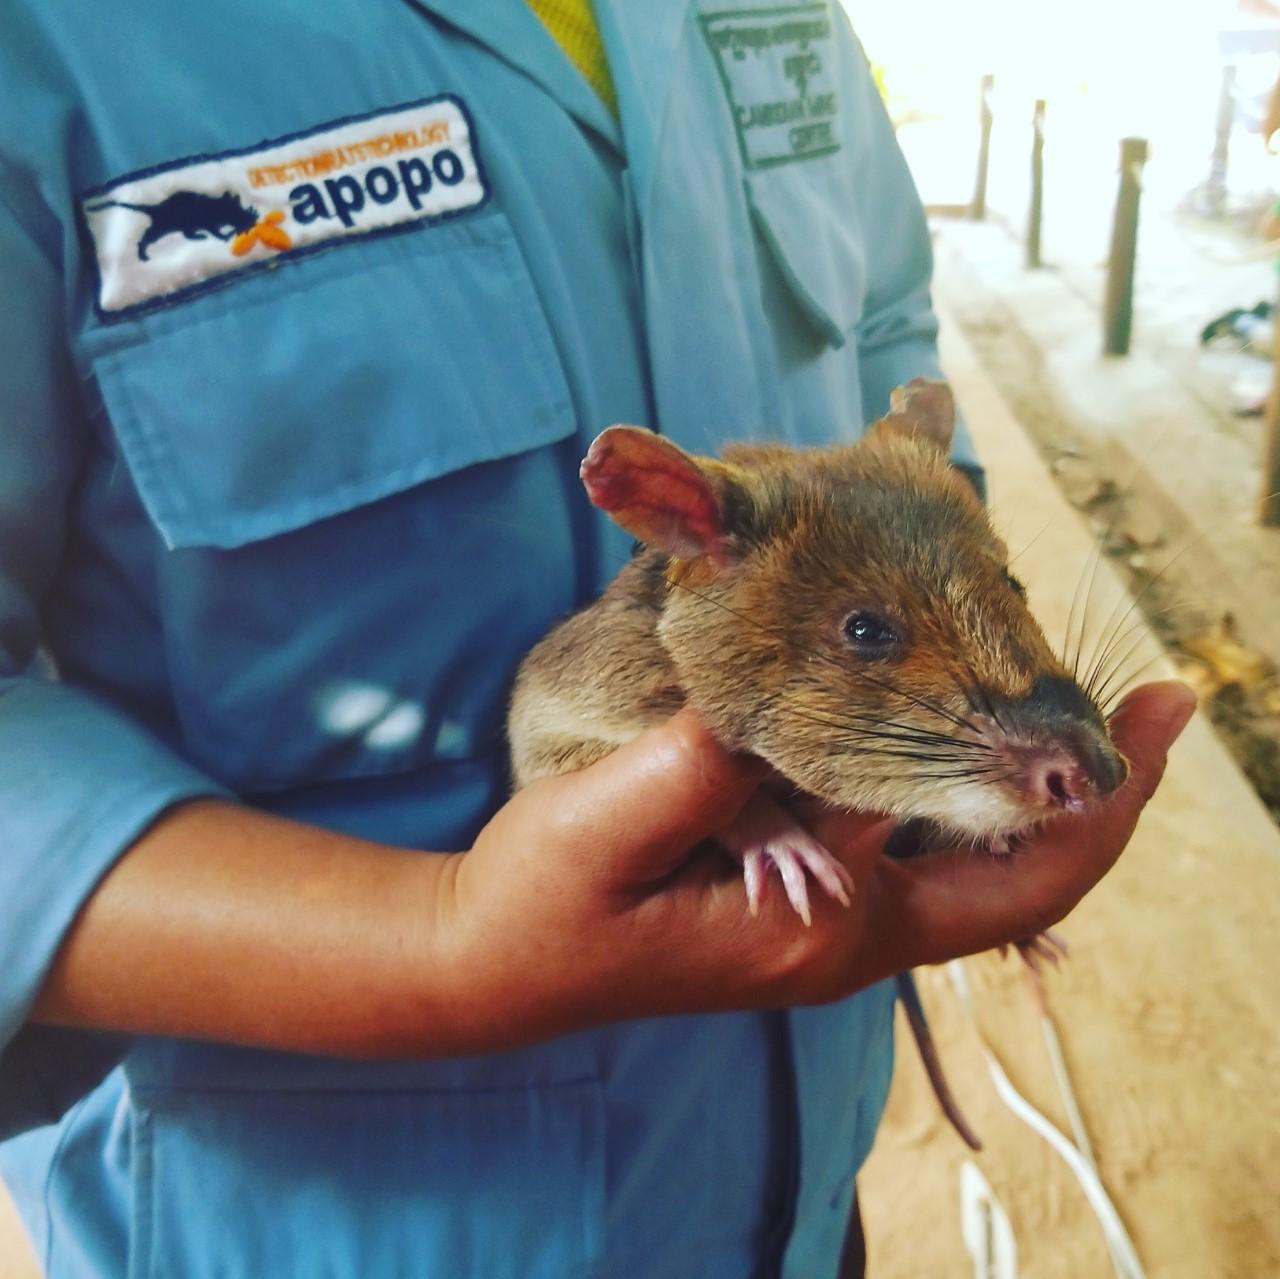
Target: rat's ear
923	410
659	493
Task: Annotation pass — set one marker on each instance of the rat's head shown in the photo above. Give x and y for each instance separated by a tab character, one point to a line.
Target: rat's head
849	615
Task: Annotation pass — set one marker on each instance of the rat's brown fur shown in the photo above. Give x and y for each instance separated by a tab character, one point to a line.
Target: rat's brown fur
754	637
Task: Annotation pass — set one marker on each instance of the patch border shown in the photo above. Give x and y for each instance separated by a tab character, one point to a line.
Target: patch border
704	20
224	278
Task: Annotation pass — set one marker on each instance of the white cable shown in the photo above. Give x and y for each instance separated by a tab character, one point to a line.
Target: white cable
987	1233
1124	1256
1065	1091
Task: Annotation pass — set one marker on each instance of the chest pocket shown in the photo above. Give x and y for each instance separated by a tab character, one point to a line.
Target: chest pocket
359	487
503	1184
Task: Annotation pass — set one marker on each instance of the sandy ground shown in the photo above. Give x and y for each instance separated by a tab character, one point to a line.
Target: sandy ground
1168	1010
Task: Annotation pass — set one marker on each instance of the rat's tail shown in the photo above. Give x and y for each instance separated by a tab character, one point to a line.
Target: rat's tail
914	1009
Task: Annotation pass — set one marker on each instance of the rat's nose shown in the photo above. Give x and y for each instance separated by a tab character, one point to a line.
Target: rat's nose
1066	756
1070	778
1104	766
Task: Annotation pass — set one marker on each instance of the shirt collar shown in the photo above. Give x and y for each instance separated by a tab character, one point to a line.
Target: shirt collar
513	31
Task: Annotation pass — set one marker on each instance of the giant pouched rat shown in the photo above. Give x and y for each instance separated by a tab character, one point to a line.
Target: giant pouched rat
845	613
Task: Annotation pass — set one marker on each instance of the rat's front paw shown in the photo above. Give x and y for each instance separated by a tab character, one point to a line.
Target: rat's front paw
1046	946
764	833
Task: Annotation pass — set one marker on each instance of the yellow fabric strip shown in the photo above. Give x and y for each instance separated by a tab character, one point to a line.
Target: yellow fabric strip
574	26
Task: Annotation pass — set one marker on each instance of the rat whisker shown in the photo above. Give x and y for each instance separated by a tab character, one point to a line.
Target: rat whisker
1099	549
911	736
925	703
881	721
1088	595
960	749
929	758
1135	600
1111	663
1110	704
1126	678
1087	573
921	734
996	769
957	776
853	743
1104	658
988	706
1043	529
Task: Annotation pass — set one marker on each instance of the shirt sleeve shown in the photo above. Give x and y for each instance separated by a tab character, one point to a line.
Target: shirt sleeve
78	780
897	336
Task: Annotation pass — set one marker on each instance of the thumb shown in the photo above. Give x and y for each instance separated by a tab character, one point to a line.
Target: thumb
1069	859
641	809
1143	728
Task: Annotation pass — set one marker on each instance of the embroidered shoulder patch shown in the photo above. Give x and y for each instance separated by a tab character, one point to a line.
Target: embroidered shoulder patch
775	67
183	227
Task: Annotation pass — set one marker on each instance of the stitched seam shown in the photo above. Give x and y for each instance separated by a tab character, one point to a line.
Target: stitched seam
63	1137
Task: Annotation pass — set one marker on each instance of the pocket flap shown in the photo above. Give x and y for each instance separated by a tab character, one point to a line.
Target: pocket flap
255	419
816	244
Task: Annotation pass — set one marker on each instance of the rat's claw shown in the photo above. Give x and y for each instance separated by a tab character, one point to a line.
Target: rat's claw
753	871
1057	941
829	871
1048	946
765	832
793	880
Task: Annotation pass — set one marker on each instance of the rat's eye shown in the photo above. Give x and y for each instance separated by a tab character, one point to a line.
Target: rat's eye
1014	584
872	635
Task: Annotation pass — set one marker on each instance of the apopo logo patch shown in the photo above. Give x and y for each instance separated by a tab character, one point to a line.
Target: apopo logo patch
167	232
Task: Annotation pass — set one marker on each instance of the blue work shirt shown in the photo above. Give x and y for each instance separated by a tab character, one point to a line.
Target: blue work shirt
287	488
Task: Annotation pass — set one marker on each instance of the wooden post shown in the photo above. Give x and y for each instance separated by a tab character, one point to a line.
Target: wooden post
978	205
1117	309
1215	189
1036	208
1269	498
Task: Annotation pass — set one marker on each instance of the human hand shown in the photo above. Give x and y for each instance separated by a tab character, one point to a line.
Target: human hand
581	901
956	902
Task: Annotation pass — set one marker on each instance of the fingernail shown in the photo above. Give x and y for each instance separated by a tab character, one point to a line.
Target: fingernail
1181	706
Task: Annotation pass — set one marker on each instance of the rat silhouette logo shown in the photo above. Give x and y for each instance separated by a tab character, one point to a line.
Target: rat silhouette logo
166	233
191	214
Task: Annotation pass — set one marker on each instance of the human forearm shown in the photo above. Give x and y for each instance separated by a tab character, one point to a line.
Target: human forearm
225	923
583	900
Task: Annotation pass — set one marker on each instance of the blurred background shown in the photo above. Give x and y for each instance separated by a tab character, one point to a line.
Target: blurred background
1195	86
1107	323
